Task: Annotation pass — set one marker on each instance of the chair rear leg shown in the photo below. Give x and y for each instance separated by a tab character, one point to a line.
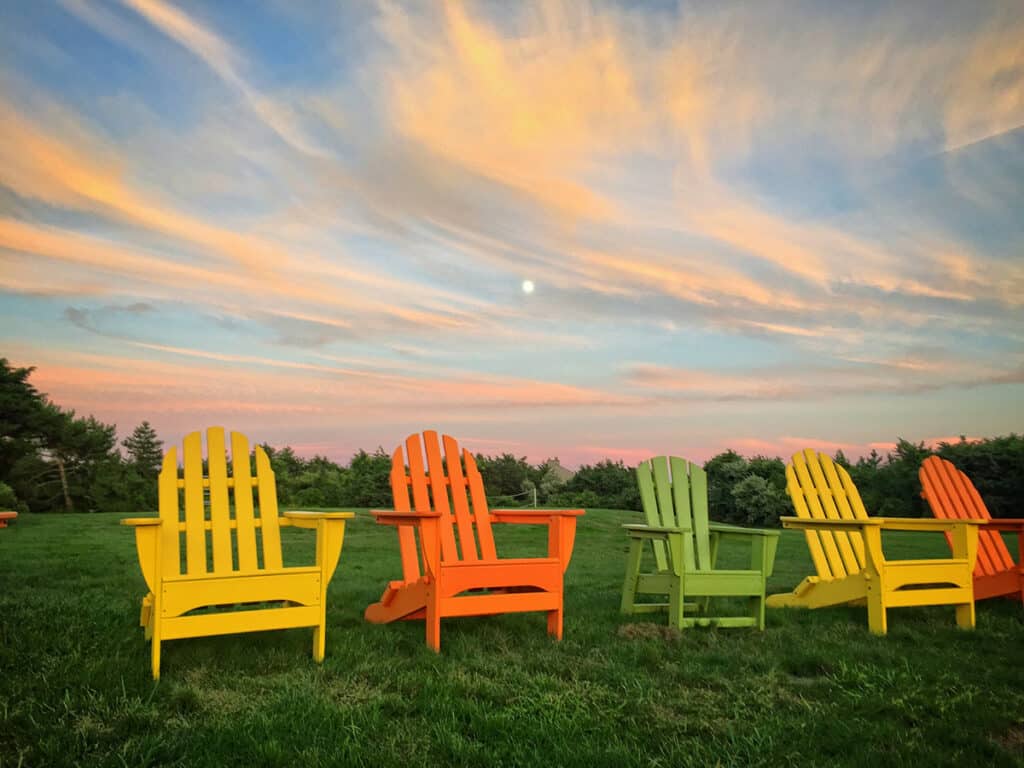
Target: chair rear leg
965	615
146	612
433	619
757	610
675	604
877	621
155	651
319	642
153	630
555	623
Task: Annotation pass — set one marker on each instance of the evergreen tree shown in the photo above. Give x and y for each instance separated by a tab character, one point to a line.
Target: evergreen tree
145	450
137	478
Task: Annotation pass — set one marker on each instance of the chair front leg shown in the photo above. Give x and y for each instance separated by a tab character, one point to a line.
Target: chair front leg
632	574
555	616
676	594
330	535
874	573
561	537
759	554
154	631
965	546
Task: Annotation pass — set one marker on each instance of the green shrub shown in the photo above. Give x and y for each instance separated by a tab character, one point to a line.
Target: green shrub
7	498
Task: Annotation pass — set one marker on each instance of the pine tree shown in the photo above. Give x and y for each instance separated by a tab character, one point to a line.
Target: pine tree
145	455
145	450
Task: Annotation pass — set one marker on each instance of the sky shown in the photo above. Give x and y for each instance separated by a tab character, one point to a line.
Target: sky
759	226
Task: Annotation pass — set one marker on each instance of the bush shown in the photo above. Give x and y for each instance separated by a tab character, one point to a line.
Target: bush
759	502
586	499
505	502
609	484
8	501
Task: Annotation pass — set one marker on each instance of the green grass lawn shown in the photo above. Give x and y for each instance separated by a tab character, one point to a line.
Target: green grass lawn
814	689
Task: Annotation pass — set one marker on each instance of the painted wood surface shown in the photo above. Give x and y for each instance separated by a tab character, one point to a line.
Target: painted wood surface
217	545
846	549
7	517
450	564
952	496
684	546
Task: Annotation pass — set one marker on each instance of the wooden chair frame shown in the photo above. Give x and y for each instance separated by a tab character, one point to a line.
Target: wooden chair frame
685	545
442	503
188	553
952	496
846	548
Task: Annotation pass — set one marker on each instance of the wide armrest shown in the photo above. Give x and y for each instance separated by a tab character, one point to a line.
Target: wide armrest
638	529
723	529
137	521
393	517
1005	524
531	516
563	512
298	514
885	523
311	520
826	525
926	523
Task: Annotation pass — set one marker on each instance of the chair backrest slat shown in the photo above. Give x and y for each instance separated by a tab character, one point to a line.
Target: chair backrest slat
270	531
438	483
951	494
846	498
649	504
241	473
195	509
421	496
698	497
460	502
170	514
220	510
478	501
406	533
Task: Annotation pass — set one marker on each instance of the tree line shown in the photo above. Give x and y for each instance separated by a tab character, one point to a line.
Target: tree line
53	460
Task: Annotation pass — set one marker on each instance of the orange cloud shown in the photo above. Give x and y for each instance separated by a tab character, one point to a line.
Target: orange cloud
84	175
528	112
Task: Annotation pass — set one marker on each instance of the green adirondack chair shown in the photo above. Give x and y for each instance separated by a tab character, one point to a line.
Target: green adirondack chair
674	495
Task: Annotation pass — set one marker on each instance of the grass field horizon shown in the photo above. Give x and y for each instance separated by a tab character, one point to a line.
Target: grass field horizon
814	688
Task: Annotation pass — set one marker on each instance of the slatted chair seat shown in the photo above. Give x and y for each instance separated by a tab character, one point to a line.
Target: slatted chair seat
685	545
952	496
216	544
450	563
846	549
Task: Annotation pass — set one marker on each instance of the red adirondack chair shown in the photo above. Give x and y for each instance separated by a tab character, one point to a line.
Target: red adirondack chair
951	494
457	579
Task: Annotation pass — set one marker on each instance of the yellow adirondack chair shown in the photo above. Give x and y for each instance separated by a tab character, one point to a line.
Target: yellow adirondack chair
224	560
846	547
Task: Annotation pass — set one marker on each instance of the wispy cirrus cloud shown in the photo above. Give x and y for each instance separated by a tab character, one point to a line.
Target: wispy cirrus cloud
814	381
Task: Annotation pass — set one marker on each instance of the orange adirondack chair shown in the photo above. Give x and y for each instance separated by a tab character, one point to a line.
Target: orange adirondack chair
431	500
7	517
951	495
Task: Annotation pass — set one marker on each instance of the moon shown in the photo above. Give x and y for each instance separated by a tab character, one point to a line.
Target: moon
528	286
